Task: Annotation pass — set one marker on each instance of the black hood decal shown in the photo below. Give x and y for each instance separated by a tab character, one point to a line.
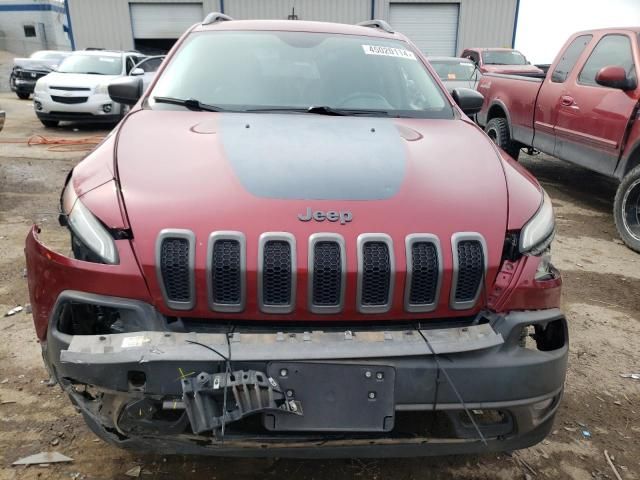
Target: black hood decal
314	157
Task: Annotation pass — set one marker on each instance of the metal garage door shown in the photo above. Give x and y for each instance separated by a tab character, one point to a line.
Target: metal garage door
163	20
432	27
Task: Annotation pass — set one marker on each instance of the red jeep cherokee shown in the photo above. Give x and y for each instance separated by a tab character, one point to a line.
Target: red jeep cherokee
297	244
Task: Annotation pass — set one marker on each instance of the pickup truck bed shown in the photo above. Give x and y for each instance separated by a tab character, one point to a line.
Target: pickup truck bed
585	111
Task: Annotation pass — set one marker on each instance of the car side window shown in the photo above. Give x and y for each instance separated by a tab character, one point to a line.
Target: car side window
130	64
611	50
569	58
150	64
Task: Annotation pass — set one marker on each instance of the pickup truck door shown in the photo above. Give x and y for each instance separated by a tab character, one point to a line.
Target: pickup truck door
553	88
592	119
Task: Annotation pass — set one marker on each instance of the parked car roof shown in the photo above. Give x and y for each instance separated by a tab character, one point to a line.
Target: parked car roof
449	59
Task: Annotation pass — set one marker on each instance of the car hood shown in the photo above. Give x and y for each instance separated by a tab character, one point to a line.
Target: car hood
35	64
511	69
255	173
77	79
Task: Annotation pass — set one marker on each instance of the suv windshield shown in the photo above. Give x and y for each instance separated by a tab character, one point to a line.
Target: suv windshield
503	57
92	64
298	70
448	70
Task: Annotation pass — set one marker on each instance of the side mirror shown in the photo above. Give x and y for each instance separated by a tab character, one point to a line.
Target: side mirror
470	101
615	77
136	72
126	90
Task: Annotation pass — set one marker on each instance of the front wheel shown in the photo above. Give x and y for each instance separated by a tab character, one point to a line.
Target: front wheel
626	209
498	131
23	95
49	123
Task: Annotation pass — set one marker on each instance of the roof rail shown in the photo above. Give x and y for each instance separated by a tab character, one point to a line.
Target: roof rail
215	17
375	23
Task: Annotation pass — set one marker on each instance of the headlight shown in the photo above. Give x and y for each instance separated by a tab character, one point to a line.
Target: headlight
537	234
88	228
40	87
102	88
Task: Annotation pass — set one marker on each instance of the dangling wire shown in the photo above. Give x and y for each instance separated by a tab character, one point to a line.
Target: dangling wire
453	387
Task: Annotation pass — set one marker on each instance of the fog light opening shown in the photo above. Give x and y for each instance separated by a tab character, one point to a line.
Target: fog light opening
38	105
107	107
552	336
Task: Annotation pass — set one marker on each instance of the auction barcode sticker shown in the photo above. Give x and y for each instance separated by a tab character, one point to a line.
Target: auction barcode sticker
388	51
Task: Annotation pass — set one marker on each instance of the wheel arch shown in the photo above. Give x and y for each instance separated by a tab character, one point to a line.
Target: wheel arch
498	109
628	162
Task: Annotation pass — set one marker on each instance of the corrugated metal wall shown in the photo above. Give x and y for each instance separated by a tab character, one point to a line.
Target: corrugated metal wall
483	23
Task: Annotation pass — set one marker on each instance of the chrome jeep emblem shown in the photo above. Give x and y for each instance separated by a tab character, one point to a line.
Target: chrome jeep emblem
320	216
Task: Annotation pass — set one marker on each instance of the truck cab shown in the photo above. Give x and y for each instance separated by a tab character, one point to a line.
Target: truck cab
584	111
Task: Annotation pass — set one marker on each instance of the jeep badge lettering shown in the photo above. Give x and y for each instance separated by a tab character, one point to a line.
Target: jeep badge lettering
320	216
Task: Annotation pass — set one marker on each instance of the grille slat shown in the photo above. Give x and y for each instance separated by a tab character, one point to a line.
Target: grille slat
327	273
425	273
276	287
175	269
225	272
376	274
69	100
469	265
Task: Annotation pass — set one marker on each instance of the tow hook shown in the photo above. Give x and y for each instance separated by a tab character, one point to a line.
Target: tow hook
248	392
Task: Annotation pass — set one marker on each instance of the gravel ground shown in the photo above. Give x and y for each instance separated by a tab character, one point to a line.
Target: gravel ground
600	298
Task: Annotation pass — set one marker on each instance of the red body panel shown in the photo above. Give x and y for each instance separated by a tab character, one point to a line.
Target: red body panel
50	273
172	169
428	202
590	125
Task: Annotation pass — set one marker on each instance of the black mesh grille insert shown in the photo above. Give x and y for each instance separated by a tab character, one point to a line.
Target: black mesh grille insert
376	273
276	275
174	266
424	277
327	273
470	269
225	272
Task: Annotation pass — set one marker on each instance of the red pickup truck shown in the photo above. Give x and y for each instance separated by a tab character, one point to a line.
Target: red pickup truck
585	111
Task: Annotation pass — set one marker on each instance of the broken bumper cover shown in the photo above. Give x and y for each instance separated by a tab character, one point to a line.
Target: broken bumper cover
354	393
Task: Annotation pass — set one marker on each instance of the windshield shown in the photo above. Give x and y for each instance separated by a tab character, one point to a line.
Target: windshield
92	64
448	70
48	56
297	70
503	57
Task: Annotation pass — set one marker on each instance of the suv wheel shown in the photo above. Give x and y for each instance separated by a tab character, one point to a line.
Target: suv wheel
498	131
49	123
23	95
626	209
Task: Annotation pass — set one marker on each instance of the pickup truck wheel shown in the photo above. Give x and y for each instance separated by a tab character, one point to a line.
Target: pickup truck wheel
626	209
23	95
498	131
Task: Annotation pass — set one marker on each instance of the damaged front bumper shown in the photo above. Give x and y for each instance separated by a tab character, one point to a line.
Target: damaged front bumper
368	391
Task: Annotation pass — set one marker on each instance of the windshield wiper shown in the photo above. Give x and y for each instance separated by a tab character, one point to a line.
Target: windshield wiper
318	110
190	103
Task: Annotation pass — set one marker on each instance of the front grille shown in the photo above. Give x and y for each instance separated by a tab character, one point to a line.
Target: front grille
424	273
327	273
175	269
226	272
71	89
470	270
276	273
376	274
29	75
69	100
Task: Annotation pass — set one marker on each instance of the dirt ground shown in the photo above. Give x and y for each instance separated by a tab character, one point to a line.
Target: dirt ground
600	409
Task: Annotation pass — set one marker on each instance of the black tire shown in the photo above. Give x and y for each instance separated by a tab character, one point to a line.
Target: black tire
23	95
498	131
49	123
626	209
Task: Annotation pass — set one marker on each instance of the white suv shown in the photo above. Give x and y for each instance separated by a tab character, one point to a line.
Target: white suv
77	90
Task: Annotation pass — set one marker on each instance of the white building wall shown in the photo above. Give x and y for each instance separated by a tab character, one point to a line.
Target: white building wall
47	16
